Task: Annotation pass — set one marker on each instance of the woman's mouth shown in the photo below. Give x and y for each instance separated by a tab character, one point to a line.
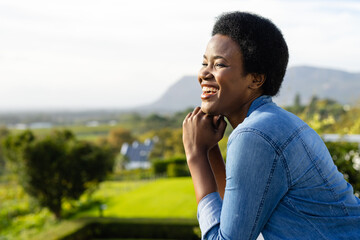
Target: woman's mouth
208	92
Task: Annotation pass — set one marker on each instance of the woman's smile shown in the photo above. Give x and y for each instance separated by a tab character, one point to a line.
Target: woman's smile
208	91
224	83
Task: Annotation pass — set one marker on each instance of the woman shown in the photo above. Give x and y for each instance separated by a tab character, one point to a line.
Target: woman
280	179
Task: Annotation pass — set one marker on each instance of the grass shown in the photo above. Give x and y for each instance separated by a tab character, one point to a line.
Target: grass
155	199
20	218
162	198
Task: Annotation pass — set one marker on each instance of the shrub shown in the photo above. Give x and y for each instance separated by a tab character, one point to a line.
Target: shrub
57	167
177	170
137	228
346	157
133	174
160	166
173	167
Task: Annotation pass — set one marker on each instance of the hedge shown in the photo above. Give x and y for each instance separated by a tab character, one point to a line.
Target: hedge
173	167
137	228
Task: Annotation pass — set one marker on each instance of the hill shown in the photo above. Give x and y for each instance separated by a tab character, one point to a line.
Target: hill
183	94
325	83
307	81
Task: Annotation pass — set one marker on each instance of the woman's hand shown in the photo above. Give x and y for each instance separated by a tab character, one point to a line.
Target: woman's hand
201	132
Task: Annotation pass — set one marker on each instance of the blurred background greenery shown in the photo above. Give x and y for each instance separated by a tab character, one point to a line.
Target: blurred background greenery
52	178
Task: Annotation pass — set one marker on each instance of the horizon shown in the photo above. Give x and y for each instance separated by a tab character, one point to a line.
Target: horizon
132	108
88	55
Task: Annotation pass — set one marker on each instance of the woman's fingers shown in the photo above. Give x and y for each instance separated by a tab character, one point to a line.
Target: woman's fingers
201	131
197	111
216	121
222	126
194	112
188	115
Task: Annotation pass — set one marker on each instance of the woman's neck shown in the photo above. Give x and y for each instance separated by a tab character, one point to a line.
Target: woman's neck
238	117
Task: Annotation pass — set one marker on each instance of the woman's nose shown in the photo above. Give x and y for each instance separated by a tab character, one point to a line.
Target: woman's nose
205	74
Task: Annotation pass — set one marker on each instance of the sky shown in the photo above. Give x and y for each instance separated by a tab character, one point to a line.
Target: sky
115	54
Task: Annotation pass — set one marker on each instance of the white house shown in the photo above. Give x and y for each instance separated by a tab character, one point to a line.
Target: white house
137	154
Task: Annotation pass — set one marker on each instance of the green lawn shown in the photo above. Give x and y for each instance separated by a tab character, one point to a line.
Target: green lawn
162	198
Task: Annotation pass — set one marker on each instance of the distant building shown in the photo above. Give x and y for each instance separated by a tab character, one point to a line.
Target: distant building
137	154
92	124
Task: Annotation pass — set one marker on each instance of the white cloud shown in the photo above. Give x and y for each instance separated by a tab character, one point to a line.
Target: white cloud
116	53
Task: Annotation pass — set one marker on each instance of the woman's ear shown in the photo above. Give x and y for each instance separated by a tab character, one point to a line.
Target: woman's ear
257	80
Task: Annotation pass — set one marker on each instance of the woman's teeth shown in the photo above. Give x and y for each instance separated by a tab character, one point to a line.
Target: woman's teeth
209	89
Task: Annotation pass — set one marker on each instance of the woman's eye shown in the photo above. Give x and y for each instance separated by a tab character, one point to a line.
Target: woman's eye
220	65
204	64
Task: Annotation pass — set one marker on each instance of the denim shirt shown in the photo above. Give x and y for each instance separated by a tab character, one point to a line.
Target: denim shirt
280	181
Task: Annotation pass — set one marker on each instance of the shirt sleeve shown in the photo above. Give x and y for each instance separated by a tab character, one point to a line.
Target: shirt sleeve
255	183
209	209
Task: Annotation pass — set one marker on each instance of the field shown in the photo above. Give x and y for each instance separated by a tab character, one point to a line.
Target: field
81	131
161	198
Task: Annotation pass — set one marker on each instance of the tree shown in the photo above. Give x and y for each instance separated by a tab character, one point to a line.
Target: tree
324	115
168	144
13	149
296	108
57	167
346	156
120	162
118	136
349	122
297	100
3	133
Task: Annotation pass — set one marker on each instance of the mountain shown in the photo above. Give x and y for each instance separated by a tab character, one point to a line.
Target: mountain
325	83
307	81
185	93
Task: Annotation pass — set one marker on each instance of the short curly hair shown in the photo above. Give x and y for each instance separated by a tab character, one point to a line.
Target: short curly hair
262	45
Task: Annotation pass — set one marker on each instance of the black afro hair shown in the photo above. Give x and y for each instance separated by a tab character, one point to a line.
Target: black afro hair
262	45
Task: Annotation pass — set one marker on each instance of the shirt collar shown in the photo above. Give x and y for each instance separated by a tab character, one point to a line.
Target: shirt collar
258	103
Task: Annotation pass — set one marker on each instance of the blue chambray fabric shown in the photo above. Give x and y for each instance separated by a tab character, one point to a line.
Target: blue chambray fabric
280	181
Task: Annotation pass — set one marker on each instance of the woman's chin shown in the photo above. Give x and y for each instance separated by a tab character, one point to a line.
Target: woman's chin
209	109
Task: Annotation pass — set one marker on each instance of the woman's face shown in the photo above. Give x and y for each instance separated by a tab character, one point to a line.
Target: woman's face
225	86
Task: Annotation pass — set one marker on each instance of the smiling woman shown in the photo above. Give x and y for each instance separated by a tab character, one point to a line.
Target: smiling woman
279	177
223	72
